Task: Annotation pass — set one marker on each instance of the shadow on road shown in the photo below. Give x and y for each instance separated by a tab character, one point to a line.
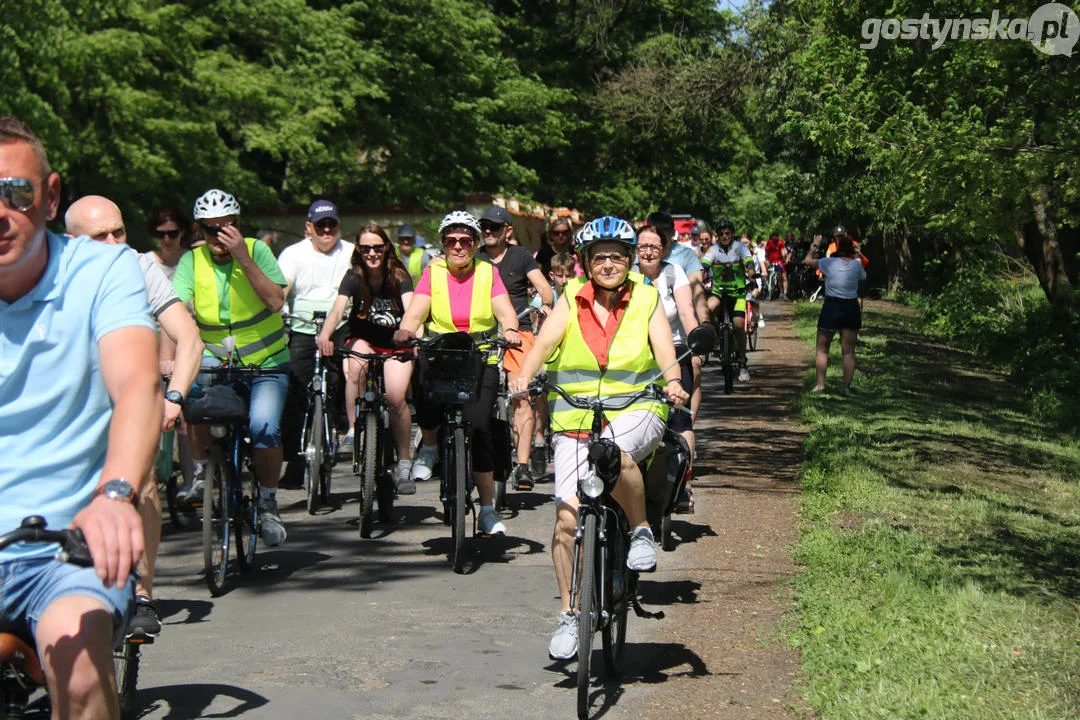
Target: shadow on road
187	701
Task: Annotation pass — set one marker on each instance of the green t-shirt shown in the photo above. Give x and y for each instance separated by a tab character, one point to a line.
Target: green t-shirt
184	284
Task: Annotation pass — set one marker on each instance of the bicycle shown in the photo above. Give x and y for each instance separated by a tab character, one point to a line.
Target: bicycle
23	692
373	440
729	360
753	312
502	424
320	440
230	495
450	368
774	287
603	587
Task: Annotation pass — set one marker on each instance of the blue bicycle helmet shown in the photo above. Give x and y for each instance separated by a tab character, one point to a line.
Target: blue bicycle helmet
606	229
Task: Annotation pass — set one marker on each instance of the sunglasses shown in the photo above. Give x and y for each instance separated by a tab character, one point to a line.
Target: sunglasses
170	234
211	230
458	241
326	225
491	228
18	193
613	258
371	249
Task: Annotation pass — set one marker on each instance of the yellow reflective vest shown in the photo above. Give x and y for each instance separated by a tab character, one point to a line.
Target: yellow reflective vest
630	365
260	333
481	316
414	262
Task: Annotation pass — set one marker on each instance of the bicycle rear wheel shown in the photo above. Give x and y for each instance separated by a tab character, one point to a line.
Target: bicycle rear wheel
246	520
386	481
751	331
313	454
616	583
369	449
217	517
587	615
502	437
126	666
461	491
727	359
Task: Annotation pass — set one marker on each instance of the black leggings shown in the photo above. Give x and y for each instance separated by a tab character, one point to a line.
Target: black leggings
478	414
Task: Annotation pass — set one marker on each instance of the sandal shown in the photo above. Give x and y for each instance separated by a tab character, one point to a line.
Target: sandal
685	505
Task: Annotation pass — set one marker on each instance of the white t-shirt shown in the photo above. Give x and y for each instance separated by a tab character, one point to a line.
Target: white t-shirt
667	297
169	270
315	278
842	276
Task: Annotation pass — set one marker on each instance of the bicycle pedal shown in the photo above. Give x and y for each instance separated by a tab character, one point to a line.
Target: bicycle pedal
138	638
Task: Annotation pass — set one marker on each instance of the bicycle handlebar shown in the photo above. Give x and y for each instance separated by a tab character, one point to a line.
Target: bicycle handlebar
404	355
73	547
588	402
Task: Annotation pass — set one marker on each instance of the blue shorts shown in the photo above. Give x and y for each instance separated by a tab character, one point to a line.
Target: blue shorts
28	586
267	400
840	314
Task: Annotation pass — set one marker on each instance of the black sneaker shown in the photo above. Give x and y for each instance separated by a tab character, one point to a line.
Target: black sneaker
145	621
522	477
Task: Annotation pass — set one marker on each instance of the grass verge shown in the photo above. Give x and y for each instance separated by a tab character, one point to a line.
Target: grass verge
940	543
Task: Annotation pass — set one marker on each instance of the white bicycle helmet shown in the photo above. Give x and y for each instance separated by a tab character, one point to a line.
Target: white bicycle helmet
606	229
215	204
460	218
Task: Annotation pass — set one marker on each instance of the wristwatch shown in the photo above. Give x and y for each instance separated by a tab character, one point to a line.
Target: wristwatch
117	489
175	397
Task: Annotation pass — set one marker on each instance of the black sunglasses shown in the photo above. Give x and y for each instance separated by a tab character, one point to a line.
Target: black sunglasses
170	234
211	230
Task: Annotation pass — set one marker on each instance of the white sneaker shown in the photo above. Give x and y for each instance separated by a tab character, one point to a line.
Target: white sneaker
489	523
405	483
273	530
424	462
761	322
193	492
564	642
744	374
345	444
642	554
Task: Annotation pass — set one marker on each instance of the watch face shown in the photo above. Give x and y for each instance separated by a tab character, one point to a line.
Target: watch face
174	396
118	489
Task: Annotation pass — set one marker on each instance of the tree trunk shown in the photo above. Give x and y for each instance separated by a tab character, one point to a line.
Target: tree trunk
1052	253
895	243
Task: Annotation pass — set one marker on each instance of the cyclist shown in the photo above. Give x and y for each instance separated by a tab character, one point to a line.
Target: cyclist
101	220
732	267
80	415
460	293
560	240
762	270
414	257
670	281
776	255
237	289
313	269
172	231
518	272
600	330
379	288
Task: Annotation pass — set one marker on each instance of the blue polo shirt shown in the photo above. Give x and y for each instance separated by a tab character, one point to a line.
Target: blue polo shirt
54	408
685	258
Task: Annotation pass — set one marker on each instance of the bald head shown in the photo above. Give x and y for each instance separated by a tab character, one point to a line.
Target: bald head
98	217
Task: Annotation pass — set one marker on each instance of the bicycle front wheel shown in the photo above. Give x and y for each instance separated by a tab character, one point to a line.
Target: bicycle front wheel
727	359
126	666
313	454
617	585
368	424
461	491
246	520
588	614
217	517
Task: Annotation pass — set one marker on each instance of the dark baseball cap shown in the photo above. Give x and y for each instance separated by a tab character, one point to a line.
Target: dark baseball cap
497	215
320	210
406	231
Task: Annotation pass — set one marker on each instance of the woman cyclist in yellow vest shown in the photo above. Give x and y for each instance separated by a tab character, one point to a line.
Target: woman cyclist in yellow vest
462	294
612	337
236	288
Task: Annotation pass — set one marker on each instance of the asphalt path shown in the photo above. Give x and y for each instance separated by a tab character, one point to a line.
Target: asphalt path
333	626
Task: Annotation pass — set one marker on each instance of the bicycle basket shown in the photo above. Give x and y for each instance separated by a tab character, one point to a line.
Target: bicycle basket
218	404
450	369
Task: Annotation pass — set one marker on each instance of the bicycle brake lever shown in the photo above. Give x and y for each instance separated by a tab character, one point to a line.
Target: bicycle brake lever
75	550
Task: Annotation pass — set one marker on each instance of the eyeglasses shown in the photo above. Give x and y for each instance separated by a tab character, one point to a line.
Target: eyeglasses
649	248
613	258
212	230
456	241
18	193
371	249
170	234
560	232
326	225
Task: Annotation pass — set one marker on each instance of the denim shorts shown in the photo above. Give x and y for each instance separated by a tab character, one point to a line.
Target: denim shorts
28	586
268	393
840	314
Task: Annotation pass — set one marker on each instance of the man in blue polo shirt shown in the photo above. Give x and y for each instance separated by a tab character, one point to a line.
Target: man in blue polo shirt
80	413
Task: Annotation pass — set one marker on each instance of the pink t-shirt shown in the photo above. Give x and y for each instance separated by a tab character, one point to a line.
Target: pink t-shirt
460	291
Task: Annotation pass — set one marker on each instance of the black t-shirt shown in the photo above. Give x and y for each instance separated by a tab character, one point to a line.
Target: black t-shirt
378	324
514	268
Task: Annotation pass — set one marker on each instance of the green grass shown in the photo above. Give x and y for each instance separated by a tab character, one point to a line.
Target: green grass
940	540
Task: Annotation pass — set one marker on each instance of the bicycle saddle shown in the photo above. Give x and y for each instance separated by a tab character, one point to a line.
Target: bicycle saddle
21	656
